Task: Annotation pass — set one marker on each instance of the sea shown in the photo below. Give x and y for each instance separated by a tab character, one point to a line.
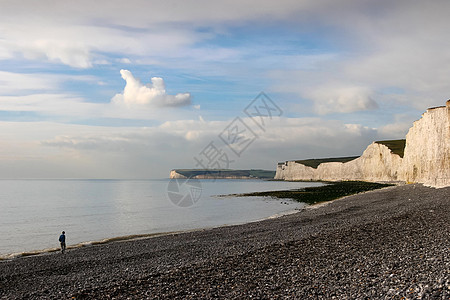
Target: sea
33	213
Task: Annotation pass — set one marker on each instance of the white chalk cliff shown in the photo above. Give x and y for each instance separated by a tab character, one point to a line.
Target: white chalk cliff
176	175
426	158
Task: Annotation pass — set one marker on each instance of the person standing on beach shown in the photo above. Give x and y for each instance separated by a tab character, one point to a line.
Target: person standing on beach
62	240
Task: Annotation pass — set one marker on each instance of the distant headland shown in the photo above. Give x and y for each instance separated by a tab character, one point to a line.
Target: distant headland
222	174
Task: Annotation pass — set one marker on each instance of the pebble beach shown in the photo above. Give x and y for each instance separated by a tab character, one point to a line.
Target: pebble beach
392	243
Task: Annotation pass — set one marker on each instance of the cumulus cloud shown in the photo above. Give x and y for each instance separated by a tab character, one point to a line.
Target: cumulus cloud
136	93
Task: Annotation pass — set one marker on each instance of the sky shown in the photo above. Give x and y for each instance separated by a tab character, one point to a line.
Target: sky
132	89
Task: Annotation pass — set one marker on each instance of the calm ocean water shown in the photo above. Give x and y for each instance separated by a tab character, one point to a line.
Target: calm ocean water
34	212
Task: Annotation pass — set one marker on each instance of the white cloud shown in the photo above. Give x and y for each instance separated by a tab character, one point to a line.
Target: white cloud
14	83
71	42
394	130
330	99
399	127
125	60
66	52
136	93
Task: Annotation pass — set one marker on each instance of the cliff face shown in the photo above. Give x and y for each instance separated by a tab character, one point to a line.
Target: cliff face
427	151
377	163
291	170
426	158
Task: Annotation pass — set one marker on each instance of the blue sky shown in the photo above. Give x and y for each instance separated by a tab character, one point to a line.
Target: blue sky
113	89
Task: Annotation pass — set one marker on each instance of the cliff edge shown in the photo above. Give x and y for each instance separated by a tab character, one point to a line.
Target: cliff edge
424	157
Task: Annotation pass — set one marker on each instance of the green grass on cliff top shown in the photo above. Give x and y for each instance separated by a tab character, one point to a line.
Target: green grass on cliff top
315	162
396	146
